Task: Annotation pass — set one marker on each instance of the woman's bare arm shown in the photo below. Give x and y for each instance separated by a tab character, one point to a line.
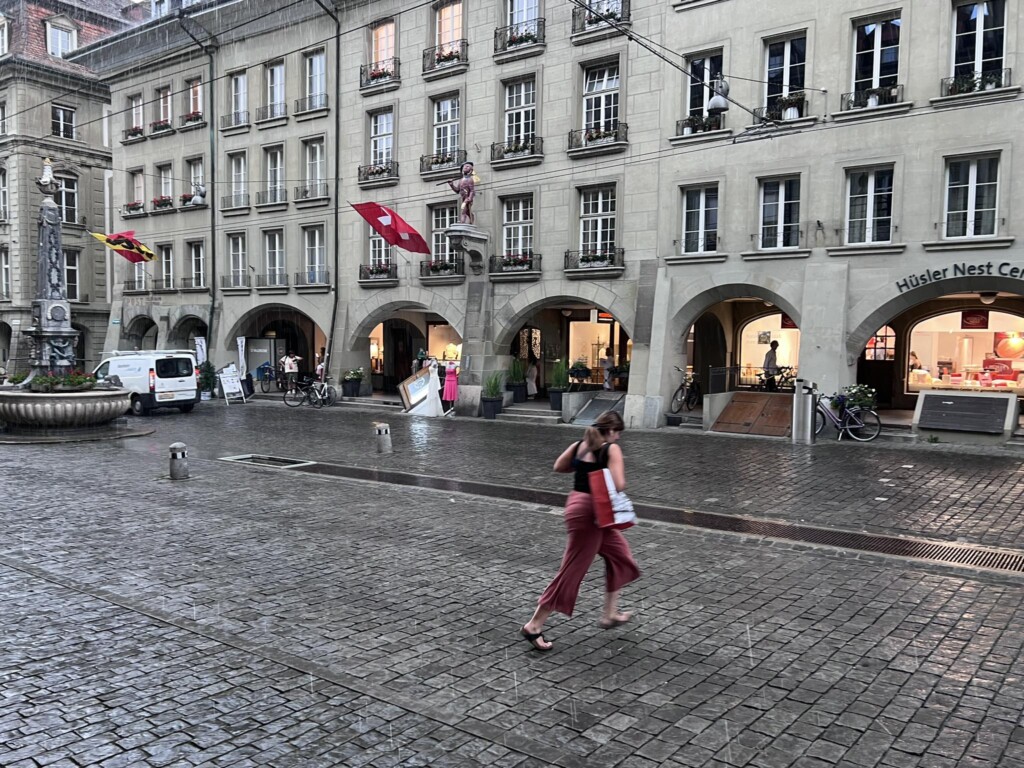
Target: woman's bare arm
564	462
617	466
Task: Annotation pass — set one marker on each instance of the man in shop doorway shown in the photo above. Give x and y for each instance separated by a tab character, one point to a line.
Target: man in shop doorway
771	368
290	364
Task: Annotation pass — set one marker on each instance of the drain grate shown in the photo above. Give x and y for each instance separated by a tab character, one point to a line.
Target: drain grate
915	549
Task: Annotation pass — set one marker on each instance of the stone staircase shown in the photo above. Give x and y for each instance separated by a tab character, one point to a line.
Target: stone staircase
530	412
383	403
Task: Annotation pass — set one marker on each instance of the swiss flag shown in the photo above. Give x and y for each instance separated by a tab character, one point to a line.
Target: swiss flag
393	228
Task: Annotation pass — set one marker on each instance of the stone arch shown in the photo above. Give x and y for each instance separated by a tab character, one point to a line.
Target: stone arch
81	344
136	330
184	331
365	315
6	337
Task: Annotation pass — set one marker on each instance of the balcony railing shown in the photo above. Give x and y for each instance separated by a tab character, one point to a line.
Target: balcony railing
236	200
193	283
163	284
312	191
439	161
237	280
445	55
388	271
971	82
524	33
443	267
791	107
310	103
777	237
136	285
234	119
609	133
598	14
595	258
515	262
380	72
699	124
521	147
272	111
694	243
870	98
272	280
272	196
378	171
313	276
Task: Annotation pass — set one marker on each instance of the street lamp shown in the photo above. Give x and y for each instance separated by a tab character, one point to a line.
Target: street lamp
719	103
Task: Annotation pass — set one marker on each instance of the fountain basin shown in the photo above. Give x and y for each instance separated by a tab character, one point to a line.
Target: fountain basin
61	412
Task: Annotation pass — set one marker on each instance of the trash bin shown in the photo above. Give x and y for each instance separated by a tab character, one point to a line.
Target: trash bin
804	399
247	385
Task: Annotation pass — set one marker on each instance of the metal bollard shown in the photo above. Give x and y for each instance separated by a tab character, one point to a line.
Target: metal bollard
179	461
383	437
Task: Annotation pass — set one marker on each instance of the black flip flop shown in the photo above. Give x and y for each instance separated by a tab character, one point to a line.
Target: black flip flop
532	637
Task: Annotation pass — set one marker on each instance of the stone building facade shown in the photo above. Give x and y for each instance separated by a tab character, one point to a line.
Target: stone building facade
860	183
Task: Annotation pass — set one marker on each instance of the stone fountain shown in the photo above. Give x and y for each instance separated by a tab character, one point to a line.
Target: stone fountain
51	341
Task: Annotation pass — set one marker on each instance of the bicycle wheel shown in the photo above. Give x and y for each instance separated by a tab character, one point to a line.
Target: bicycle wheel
678	398
330	395
314	398
692	397
862	424
265	382
294	398
819	420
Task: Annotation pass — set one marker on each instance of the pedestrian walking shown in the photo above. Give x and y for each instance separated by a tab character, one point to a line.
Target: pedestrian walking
771	368
597	450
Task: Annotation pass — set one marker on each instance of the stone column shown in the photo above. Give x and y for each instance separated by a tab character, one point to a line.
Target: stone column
823	355
478	353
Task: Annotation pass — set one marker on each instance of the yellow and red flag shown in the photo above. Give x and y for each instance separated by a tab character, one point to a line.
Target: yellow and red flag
125	244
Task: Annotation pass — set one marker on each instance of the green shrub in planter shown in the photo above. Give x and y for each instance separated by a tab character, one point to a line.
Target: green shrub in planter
207	376
560	375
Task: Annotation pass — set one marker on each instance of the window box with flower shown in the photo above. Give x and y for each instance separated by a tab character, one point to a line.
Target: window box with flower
381	74
441	267
134	132
135	206
442	160
599	135
352	382
522	38
517	262
192	117
447	55
597	18
162	201
157	126
791	104
379	271
594	259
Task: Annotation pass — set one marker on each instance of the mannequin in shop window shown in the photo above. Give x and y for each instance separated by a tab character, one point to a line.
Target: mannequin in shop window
531	377
450	393
607	363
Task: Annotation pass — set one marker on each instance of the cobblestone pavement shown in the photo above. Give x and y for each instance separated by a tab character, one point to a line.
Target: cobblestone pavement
258	617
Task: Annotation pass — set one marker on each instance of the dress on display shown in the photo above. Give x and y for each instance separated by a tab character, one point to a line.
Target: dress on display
451	382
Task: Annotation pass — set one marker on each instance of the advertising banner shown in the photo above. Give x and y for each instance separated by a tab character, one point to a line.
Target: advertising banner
200	350
241	355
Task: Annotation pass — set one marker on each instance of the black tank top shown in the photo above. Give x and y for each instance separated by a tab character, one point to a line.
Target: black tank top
581	482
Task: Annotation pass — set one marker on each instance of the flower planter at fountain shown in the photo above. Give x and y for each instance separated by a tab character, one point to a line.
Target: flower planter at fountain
38	413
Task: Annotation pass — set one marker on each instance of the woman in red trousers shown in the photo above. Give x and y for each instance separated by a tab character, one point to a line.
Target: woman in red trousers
596	451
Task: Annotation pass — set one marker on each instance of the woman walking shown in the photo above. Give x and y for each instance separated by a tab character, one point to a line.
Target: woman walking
597	450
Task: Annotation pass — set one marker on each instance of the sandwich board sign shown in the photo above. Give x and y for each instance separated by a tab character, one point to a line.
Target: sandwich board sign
231	384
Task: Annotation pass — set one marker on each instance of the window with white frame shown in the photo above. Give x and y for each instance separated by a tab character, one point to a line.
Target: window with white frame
3	37
700	219
380	251
382	41
273	163
194	96
275	89
166	256
780	213
4	195
315	161
3	118
522	11
160	8
239	175
137	187
446	126
517	227
195	172
316	254
136	118
316	78
5	273
520	112
238	259
382	136
239	97
62	121
597	220
166	180
869	205
601	98
972	187
441	218
979	40
273	252
704	68
163	104
785	64
71	273
60	39
449	26
876	54
67	198
197	264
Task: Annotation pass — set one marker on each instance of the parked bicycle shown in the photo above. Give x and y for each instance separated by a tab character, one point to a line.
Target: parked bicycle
270	376
306	392
688	393
326	391
782	380
858	422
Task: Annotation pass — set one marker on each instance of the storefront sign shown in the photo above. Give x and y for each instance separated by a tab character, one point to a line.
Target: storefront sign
974	320
787	321
963	269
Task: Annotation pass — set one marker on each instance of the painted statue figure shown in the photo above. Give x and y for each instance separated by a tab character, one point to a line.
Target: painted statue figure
466	189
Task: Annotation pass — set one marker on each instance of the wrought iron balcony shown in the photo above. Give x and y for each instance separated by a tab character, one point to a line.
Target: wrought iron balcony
699	124
782	108
236	280
137	285
607	133
595	258
526	146
527	261
445	55
777	236
272	280
384	271
972	82
311	103
272	111
378	171
193	283
380	72
236	200
234	119
163	284
694	243
440	161
313	276
598	14
272	196
517	35
312	191
870	98
455	265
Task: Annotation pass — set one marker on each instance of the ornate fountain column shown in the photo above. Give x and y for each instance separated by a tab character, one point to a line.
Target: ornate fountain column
51	338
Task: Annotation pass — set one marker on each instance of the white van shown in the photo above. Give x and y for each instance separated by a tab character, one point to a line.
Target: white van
157	378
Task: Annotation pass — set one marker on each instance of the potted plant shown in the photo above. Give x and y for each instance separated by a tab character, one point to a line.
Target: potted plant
516	262
874	96
186	198
160	125
559	383
992	80
791	104
522	38
379	271
517	380
163	201
382	73
579	371
490	395
621	373
352	381
192	117
59	381
135	206
692	124
134	132
853	396
207	379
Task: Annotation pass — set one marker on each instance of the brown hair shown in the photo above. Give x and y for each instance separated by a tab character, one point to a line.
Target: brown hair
609	421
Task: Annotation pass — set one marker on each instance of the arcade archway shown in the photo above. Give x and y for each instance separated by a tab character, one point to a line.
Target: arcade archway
271	331
141	333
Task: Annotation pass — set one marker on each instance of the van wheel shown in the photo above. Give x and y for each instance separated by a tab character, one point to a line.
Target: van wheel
187	408
138	409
